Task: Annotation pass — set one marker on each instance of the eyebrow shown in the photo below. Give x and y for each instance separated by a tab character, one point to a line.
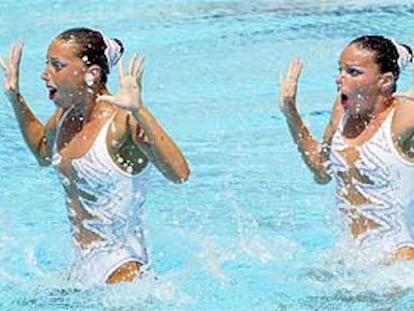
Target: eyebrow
349	65
53	58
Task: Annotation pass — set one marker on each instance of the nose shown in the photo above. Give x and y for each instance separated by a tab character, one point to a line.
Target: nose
339	79
45	75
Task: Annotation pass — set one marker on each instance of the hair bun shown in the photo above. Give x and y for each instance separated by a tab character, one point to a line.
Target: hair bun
404	54
113	51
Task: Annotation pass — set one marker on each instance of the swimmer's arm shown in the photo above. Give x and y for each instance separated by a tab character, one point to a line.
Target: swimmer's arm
403	127
147	134
31	128
156	144
403	120
313	153
38	137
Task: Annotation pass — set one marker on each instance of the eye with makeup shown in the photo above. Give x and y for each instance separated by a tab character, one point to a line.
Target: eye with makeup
56	64
353	71
350	70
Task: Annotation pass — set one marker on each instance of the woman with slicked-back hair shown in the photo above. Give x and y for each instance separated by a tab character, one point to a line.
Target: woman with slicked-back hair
101	146
367	147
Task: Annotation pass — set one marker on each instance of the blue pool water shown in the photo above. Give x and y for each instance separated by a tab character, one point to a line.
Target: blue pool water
250	230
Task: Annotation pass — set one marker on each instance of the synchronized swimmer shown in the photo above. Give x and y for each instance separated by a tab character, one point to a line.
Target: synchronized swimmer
101	146
367	146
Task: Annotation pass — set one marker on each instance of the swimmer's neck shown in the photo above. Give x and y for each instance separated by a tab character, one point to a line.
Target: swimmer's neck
84	110
380	107
356	124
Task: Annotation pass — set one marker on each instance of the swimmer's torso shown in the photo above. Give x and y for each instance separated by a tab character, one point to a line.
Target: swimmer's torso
374	188
103	198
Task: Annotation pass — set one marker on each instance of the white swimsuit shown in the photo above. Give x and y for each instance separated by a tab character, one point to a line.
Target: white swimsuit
108	209
384	180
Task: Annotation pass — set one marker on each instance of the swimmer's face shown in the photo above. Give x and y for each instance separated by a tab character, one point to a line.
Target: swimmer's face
64	74
359	79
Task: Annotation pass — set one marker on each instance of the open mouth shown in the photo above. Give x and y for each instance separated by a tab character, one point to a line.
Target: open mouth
52	92
344	100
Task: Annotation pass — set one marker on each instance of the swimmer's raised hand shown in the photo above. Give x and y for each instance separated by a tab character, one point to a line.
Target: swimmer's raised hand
288	85
129	92
11	69
409	95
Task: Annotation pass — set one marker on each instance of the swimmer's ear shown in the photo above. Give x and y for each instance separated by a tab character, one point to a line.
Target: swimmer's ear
95	72
386	82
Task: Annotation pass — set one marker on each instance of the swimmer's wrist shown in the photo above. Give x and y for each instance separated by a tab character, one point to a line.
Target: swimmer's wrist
139	112
15	97
291	114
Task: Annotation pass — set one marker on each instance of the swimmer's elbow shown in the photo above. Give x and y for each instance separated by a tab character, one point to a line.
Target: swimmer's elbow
182	177
43	157
322	179
43	162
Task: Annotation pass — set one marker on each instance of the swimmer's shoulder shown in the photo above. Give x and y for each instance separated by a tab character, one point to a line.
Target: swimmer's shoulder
118	129
403	118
